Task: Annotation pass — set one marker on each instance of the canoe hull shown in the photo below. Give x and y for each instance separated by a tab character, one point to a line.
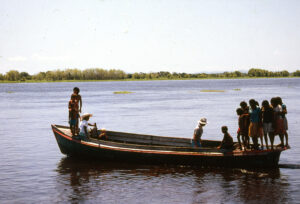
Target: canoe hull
77	148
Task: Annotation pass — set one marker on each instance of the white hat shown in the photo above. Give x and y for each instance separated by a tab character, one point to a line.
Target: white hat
202	121
85	115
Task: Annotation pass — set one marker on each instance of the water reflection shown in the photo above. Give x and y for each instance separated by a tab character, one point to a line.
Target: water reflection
88	180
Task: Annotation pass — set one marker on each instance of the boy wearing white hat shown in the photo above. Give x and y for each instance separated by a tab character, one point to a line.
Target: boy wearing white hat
196	141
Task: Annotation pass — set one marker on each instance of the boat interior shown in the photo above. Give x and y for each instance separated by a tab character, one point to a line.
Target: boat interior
143	140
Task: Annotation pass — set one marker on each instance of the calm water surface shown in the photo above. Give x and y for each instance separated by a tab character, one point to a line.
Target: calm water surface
32	169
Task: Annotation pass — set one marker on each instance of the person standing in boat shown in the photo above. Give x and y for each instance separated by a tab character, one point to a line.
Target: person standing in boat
285	123
242	131
255	120
246	122
268	119
73	114
76	91
278	120
196	141
84	133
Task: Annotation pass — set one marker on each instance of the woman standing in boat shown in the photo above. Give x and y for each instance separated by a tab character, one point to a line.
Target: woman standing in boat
196	141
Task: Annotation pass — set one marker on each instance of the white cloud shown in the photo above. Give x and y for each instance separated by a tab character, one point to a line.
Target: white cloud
39	57
17	59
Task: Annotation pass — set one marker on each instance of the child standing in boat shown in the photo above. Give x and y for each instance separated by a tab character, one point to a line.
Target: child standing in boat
267	120
246	122
73	114
196	141
242	131
285	122
278	120
76	91
255	120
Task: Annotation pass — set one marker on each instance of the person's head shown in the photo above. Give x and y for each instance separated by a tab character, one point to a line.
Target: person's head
256	103
243	104
265	104
252	103
274	102
239	111
279	100
202	122
224	129
76	90
86	116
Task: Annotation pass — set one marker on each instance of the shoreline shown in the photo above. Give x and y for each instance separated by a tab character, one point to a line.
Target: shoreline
160	79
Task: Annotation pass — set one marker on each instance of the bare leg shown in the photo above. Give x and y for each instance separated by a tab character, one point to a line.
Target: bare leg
271	135
247	141
266	139
261	141
286	138
281	140
239	140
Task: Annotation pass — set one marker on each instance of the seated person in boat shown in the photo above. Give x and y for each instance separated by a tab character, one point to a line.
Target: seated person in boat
227	142
73	114
196	141
84	133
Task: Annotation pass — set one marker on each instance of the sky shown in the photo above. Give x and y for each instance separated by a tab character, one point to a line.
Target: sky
190	36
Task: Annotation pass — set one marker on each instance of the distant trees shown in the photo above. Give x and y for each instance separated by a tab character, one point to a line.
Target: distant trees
116	74
296	73
265	73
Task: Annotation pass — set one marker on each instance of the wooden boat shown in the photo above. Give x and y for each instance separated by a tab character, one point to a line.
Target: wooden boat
149	149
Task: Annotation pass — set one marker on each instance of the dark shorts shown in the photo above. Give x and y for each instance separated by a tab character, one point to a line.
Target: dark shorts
196	143
72	122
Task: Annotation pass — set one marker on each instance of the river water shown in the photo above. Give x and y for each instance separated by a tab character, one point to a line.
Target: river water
33	170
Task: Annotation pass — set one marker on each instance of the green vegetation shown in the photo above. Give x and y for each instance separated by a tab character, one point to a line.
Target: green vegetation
207	90
236	89
97	74
123	92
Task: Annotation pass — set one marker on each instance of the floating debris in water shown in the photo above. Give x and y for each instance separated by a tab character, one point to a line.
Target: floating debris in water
10	92
123	92
236	89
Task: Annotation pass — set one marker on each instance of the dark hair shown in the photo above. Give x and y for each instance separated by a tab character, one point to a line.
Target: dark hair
224	128
76	89
274	101
243	104
265	103
239	111
252	102
279	100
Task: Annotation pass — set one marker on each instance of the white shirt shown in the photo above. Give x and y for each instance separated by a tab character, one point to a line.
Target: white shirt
83	124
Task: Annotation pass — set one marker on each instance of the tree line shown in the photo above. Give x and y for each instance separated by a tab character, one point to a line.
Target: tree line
116	74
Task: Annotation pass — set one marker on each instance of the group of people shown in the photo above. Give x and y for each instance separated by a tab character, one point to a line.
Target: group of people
75	105
254	122
265	122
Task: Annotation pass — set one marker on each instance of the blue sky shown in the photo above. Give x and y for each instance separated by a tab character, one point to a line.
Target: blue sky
150	35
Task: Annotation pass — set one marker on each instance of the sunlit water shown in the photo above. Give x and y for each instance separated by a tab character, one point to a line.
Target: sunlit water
32	169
